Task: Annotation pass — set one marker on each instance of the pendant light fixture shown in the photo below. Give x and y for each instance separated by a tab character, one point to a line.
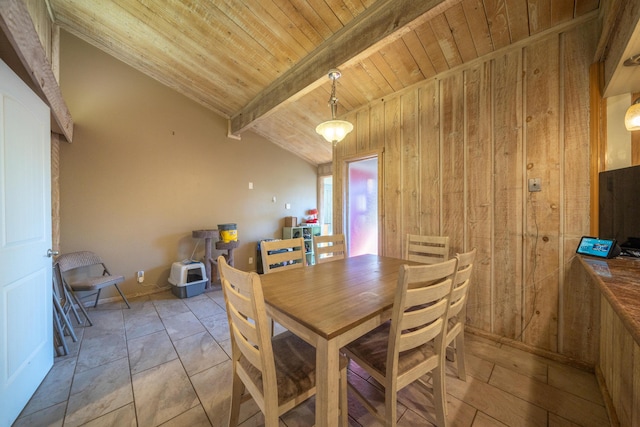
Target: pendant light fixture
334	130
632	117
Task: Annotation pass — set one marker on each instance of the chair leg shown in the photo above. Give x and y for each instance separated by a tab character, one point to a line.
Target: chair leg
97	297
462	370
344	404
439	395
75	300
236	398
122	295
391	405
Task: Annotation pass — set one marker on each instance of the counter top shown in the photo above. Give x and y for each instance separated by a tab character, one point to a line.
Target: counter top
619	281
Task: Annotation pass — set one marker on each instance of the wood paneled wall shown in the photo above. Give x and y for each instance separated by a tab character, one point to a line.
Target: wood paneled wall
458	151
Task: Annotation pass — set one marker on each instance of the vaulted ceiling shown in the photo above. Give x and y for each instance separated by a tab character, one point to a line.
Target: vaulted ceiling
263	64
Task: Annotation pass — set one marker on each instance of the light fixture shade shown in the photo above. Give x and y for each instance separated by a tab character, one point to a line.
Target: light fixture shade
632	118
334	130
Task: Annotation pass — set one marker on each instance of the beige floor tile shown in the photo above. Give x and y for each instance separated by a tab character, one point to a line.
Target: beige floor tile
194	417
121	417
142	322
98	391
149	351
567	405
497	403
199	352
575	381
170	307
484	420
182	325
55	387
52	416
203	306
99	350
217	325
162	393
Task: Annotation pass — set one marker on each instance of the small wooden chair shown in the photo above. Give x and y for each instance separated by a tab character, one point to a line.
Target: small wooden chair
280	255
329	248
278	372
426	249
457	317
412	344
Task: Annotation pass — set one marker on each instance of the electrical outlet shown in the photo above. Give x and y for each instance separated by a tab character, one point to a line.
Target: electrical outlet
250	260
534	185
140	276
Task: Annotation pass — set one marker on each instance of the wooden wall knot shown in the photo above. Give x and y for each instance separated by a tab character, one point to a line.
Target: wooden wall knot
545	239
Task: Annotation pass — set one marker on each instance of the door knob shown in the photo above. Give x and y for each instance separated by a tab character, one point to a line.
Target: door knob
51	253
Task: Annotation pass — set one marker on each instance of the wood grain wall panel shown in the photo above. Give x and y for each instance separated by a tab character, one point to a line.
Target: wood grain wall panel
578	332
457	151
392	225
362	129
453	159
508	178
429	98
617	363
479	191
410	174
542	157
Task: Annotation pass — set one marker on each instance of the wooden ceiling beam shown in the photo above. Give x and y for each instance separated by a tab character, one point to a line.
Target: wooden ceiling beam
380	24
18	28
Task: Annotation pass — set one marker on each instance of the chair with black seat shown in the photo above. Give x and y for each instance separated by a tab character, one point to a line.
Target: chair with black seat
426	249
281	255
412	344
85	271
329	248
277	372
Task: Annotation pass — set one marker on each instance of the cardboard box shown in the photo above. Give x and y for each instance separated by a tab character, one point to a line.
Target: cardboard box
290	221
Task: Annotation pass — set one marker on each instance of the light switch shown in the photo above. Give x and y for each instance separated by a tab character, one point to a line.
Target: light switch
251	186
287	205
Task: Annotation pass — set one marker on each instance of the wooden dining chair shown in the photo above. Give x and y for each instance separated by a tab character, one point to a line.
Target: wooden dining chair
426	249
277	372
456	316
280	255
329	248
412	344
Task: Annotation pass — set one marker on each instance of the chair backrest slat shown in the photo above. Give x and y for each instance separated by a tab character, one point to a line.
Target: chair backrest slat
74	260
280	255
420	306
426	249
329	248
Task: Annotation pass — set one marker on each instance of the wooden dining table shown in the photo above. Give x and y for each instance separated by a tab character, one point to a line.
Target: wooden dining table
329	305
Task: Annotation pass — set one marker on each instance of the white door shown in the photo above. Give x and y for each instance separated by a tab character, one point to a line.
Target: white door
26	325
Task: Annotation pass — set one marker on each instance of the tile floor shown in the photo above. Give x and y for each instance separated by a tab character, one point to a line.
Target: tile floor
166	362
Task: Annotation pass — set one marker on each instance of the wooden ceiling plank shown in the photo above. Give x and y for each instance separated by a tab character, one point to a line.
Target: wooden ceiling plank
375	74
168	37
312	17
383	66
304	24
585	6
461	32
519	19
446	41
496	11
268	34
18	28
431	46
326	13
294	30
562	11
401	61
371	29
477	19
419	54
539	15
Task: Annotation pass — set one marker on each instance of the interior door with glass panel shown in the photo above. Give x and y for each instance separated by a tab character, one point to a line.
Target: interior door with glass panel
362	206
